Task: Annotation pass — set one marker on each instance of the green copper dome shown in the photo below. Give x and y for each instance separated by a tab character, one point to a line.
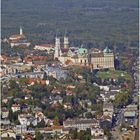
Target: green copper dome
82	51
106	50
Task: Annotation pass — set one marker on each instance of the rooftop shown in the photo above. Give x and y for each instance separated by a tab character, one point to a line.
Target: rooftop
45	45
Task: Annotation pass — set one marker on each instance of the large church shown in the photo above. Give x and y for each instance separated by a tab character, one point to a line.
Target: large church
80	56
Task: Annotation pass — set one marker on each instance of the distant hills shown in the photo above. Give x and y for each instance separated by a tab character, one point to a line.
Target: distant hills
85	20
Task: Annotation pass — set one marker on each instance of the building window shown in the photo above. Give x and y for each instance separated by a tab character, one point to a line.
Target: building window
85	62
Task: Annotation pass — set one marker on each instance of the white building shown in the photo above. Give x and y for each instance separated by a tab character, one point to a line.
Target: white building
15	107
97	131
5	113
108	109
27	119
44	47
8	134
80	124
19	39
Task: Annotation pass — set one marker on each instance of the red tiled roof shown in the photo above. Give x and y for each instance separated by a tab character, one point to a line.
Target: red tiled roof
4	57
16	37
68	62
64	50
45	45
15	105
57	127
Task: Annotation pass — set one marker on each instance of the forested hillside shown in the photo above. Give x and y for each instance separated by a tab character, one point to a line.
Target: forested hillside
85	20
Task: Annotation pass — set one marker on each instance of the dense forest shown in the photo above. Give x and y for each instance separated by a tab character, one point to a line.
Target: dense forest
90	21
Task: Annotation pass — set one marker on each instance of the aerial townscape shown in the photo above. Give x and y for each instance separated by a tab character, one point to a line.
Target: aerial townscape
64	89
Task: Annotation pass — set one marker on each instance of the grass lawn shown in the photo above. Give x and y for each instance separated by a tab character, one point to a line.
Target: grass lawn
114	74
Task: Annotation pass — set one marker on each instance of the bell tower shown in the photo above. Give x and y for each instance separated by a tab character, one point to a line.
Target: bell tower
66	41
21	31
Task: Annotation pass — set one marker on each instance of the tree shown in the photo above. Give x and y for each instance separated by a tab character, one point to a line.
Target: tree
89	115
107	132
13	84
45	76
56	121
122	98
23	81
38	136
41	124
73	133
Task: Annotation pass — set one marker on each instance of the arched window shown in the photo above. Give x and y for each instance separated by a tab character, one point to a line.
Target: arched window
85	61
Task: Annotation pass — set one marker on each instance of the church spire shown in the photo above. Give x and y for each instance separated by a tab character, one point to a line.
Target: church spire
21	31
57	47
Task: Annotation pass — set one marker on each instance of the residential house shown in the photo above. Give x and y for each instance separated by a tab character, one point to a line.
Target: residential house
28	136
56	72
104	88
3	71
105	121
21	129
32	75
17	68
127	135
67	106
38	81
5	122
97	131
130	114
15	107
27	119
24	107
5	100
53	130
80	124
69	92
58	99
39	116
55	91
37	109
22	119
8	133
115	88
88	102
70	87
4	113
106	96
131	107
108	109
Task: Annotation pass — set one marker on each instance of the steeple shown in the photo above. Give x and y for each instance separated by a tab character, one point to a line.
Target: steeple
66	41
21	31
57	47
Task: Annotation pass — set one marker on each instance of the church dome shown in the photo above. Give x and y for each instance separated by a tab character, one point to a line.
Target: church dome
82	51
106	50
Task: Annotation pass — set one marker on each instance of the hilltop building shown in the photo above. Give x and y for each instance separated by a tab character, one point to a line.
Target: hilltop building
81	56
19	39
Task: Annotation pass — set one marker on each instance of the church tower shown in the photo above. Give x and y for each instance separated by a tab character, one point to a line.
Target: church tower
66	41
21	31
57	48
